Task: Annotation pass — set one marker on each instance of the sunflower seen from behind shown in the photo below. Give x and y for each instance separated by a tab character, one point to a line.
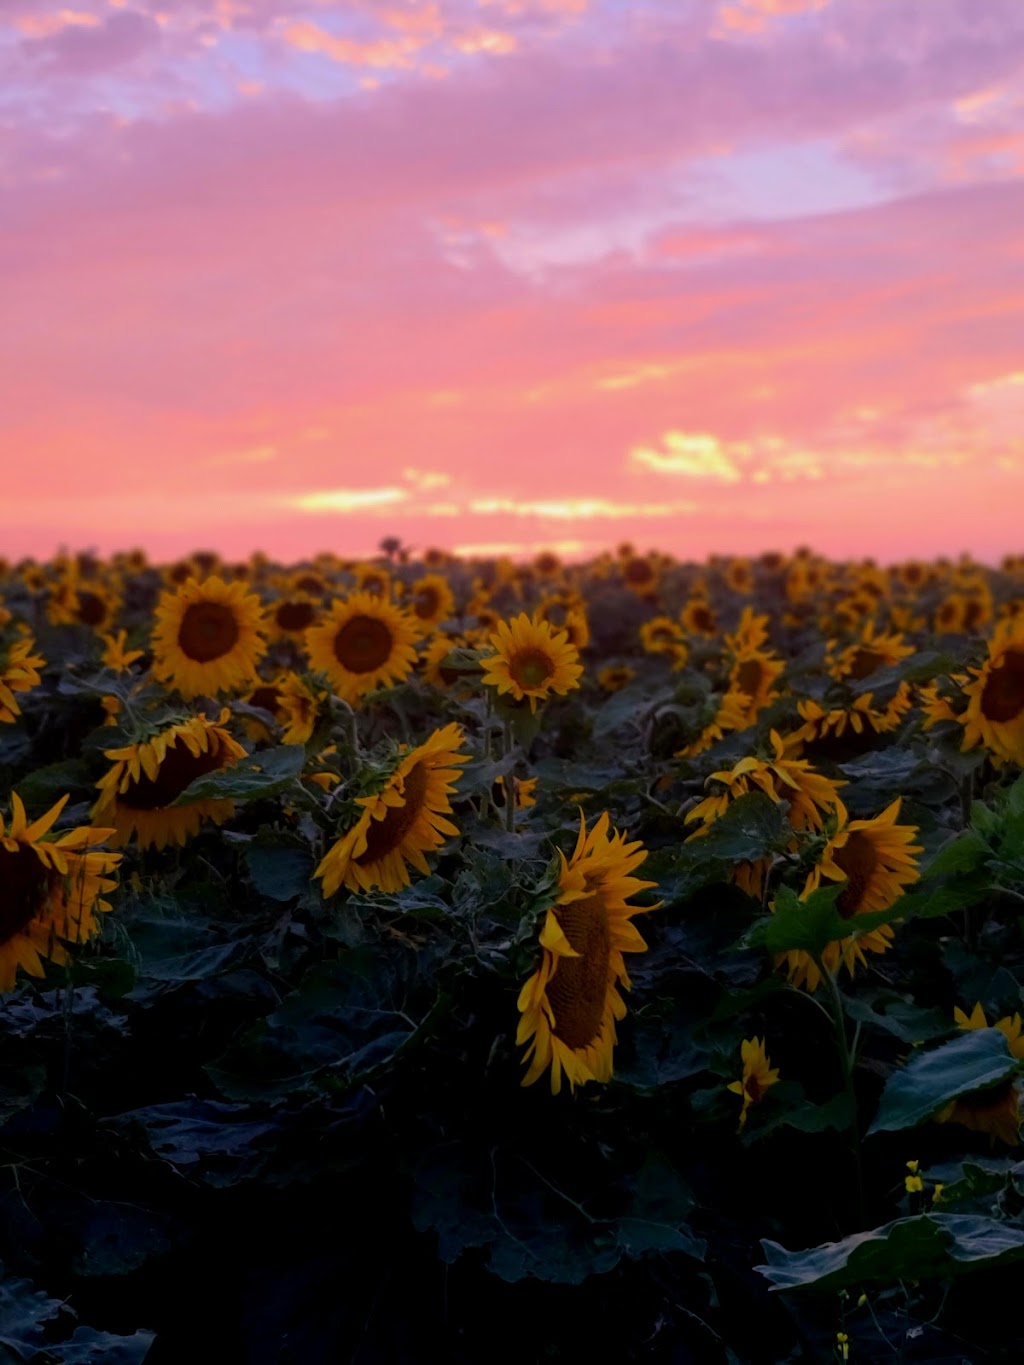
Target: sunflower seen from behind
400	824
532	660
569	1005
995	1110
52	889
137	794
209	638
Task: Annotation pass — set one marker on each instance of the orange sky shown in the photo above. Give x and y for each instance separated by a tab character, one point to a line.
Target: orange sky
510	273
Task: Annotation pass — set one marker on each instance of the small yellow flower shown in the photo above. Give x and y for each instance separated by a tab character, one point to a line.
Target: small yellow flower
115	653
758	1076
842	1346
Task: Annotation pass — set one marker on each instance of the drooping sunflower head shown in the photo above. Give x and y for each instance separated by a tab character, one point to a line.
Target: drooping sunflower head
870	653
363	643
531	661
570	1004
52	888
758	1076
754	673
146	778
877	859
402	823
209	637
996	1110
995	707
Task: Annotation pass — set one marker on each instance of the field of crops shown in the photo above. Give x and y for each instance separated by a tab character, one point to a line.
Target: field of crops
484	961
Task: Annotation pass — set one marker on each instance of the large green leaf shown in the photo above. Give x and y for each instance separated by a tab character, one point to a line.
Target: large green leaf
975	1060
813	923
919	1248
259	776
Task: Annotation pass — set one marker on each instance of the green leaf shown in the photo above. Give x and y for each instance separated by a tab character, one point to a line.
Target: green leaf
261	775
753	827
89	1347
975	1060
281	872
920	1248
813	923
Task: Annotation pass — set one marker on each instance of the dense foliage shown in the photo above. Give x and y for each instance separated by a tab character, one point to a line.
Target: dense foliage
242	1119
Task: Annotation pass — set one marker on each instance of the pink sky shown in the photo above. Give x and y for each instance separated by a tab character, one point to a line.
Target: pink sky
708	275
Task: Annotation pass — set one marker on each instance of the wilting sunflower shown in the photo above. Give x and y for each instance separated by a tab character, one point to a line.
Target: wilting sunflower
298	708
137	793
403	822
51	889
995	1111
209	637
570	1004
758	1076
751	632
862	717
995	706
18	673
431	600
877	860
361	644
532	660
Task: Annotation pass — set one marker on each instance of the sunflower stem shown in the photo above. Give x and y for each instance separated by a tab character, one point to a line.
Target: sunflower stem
509	781
846	1061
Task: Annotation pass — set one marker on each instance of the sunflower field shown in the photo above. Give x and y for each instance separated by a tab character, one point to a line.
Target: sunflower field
430	958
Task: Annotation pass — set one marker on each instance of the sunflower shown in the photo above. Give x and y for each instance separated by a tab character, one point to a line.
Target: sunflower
614	677
662	635
751	632
995	705
640	574
995	1111
532	660
869	653
862	717
116	654
137	793
577	627
292	616
698	618
51	889
739	575
432	600
403	822
307	583
373	579
807	795
524	788
730	714
754	673
298	708
877	860
758	1076
83	602
363	643
570	1004
433	666
18	673
209	637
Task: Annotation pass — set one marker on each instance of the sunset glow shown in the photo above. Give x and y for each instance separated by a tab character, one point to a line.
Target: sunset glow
494	275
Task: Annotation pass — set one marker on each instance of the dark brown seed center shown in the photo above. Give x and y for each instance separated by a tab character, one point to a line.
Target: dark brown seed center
531	667
363	644
858	858
179	768
384	836
26	885
1003	695
208	631
579	987
295	616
